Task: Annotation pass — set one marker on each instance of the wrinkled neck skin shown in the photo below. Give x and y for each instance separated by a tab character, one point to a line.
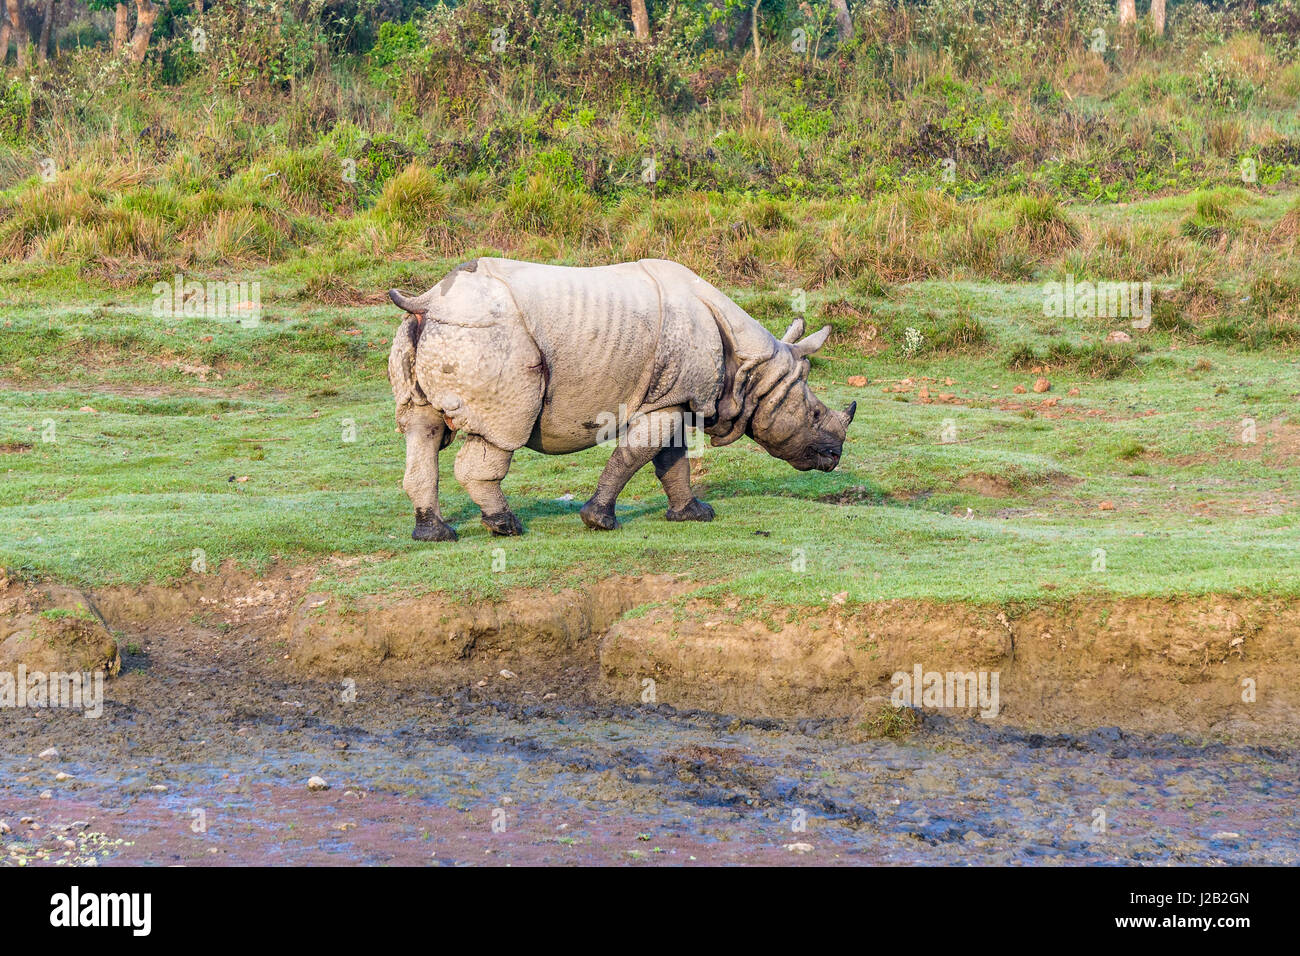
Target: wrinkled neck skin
780	412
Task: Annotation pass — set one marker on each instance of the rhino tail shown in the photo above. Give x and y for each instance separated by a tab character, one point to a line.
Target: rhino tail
401	369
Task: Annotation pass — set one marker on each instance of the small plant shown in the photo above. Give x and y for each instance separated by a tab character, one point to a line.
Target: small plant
913	341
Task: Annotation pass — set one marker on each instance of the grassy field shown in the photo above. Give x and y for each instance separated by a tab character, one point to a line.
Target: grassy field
277	442
916	186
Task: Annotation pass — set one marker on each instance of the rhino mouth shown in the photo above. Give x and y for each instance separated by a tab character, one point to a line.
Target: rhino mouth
821	459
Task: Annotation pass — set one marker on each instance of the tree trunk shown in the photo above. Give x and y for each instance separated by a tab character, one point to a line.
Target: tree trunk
1127	12
1158	17
121	26
640	20
843	22
146	14
753	29
5	30
22	41
47	23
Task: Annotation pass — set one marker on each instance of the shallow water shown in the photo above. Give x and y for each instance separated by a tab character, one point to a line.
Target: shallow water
465	778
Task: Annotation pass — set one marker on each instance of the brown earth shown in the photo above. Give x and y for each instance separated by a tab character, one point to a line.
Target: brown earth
1150	664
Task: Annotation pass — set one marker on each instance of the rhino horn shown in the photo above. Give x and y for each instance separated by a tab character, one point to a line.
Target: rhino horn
806	347
793	332
850	410
416	306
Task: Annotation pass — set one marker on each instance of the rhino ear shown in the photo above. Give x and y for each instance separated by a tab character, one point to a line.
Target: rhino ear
793	332
805	347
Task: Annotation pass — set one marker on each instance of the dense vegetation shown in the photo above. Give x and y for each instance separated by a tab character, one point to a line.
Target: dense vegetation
944	139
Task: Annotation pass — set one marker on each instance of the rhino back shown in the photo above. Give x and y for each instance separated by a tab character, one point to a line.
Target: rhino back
627	336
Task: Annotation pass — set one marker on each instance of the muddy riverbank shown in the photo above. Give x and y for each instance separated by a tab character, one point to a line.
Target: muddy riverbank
523	732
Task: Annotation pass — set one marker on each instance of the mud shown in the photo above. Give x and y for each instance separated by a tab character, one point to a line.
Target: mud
525	732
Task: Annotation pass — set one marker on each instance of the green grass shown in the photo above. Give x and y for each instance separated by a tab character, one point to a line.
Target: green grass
1009	509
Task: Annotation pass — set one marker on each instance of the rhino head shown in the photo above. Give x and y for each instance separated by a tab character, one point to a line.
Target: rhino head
766	396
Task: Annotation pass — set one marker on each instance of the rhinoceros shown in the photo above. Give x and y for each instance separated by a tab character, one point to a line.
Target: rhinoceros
559	359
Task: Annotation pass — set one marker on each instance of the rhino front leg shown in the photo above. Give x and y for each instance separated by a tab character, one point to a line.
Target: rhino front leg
480	466
673	469
425	430
644	438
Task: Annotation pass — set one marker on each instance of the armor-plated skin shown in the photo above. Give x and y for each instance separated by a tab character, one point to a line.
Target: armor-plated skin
516	353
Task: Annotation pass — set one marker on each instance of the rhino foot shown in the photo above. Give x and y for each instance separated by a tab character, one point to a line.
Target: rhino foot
597	518
504	524
429	527
697	510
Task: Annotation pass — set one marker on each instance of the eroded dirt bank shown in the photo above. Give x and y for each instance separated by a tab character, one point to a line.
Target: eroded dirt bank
1223	667
521	732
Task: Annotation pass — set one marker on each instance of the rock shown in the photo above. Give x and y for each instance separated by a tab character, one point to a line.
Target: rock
840	598
63	775
5	828
88	409
1119	336
317	783
1042	385
1226	835
1020	390
1107	506
507	674
46	795
858	381
49	753
799	847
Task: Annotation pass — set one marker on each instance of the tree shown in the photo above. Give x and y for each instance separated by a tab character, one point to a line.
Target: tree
640	20
1158	17
146	14
121	27
5	30
44	46
21	40
1127	12
843	22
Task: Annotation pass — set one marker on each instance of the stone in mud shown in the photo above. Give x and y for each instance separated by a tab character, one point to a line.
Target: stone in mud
317	783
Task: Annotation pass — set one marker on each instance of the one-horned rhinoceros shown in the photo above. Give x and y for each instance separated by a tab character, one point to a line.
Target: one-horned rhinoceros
518	354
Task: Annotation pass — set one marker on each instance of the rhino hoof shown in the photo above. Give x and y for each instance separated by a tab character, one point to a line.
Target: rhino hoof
431	528
504	524
596	519
697	510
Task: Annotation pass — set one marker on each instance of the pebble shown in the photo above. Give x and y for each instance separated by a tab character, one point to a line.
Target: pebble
63	775
50	753
5	828
799	847
47	794
317	783
507	674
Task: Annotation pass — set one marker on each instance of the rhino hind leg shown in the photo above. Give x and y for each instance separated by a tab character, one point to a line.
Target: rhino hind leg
426	434
480	466
673	469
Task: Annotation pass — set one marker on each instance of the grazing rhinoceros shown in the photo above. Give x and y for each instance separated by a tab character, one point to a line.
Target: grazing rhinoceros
549	357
